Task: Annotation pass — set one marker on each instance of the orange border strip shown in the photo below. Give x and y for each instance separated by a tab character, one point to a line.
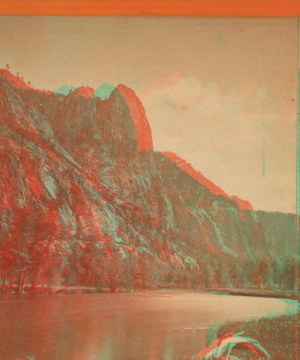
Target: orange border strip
229	8
233	8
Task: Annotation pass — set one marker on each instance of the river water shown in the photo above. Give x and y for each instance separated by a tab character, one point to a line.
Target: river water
150	325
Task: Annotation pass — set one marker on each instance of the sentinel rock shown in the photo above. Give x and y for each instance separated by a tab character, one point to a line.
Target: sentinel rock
139	118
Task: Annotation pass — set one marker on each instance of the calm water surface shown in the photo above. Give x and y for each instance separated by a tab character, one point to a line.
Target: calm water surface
132	326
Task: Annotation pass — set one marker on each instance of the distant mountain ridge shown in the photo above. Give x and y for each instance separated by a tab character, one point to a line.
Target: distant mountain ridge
104	91
182	164
64	90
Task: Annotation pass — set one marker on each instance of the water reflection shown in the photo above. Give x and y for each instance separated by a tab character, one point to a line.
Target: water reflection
149	325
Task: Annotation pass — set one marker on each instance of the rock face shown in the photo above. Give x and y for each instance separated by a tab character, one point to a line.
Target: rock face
83	195
81	124
185	166
16	81
138	115
85	91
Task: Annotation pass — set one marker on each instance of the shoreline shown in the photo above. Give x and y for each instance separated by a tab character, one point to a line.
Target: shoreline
276	294
77	290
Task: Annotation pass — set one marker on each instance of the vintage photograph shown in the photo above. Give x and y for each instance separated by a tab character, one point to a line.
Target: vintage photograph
148	188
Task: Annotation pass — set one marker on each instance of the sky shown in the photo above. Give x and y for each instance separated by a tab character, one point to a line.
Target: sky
214	90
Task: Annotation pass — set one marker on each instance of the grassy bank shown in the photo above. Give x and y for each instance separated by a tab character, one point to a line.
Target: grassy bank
277	335
279	294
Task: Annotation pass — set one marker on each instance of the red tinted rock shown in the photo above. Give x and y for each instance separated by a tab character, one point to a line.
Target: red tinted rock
139	118
85	91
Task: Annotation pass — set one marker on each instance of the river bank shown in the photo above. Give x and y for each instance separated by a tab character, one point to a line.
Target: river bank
68	290
278	294
279	336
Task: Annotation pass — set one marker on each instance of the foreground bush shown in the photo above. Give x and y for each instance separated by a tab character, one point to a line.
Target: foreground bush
277	335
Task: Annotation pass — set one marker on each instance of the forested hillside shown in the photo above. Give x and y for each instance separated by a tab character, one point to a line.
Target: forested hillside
85	201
